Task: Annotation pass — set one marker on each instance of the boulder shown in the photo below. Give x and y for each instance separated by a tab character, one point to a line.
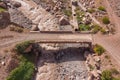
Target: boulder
90	77
64	21
3	5
4	19
34	28
16	4
75	3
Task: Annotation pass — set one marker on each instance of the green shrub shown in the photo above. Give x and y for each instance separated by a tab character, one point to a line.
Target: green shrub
99	50
67	12
26	67
101	8
96	28
21	47
103	31
114	71
105	20
116	79
18	29
2	9
84	27
91	10
106	75
23	72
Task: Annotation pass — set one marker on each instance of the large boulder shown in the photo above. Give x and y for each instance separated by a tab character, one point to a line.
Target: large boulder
64	21
3	5
4	19
16	4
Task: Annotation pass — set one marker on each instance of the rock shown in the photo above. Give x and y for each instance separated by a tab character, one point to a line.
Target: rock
99	72
74	3
90	77
34	28
3	5
97	58
97	65
48	9
17	17
86	54
16	4
95	73
3	63
29	49
63	21
4	19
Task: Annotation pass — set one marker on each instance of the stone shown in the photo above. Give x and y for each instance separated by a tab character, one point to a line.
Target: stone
17	4
4	19
3	63
74	3
63	21
28	49
86	54
97	59
34	28
48	9
95	73
90	77
3	5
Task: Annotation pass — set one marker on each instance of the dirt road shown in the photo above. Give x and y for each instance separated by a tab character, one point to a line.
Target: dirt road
111	43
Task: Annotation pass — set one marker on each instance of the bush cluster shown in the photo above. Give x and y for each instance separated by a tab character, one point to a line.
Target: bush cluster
21	47
99	50
96	28
101	8
16	29
105	20
26	67
107	75
84	27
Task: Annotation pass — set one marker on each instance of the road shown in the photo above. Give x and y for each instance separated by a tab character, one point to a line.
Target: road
111	43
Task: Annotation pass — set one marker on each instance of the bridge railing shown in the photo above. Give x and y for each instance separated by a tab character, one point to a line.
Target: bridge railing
62	32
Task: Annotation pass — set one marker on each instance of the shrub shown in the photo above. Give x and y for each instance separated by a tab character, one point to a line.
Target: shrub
101	8
16	29
21	47
2	9
91	10
84	27
96	28
23	72
103	31
67	12
105	20
114	71
106	75
99	49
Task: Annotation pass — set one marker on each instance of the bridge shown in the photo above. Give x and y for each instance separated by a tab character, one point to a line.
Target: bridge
53	37
82	38
61	37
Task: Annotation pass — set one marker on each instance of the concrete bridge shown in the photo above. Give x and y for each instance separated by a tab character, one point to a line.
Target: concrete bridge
53	37
61	37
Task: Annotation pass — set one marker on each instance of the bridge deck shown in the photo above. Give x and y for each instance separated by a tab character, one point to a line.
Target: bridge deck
61	38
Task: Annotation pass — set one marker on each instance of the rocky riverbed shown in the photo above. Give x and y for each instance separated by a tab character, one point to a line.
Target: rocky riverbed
65	64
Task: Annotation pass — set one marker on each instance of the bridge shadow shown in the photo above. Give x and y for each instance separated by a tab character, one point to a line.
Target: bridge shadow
62	55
